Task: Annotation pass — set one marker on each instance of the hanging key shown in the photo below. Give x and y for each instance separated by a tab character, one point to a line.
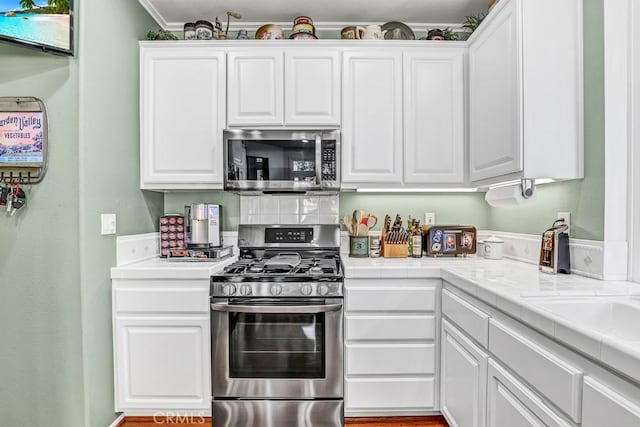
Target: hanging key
4	192
19	199
10	199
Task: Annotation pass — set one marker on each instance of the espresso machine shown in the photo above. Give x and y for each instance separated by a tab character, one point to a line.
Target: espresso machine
202	225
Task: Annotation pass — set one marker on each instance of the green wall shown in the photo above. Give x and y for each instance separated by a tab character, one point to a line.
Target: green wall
41	376
56	364
450	208
109	176
583	198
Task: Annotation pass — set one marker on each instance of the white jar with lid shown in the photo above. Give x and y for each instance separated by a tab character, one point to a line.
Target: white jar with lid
492	248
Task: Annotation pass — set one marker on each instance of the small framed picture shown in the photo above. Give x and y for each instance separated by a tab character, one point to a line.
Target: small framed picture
467	240
449	242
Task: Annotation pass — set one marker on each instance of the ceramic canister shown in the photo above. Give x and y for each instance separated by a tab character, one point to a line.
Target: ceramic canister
359	246
190	31
304	28
350	33
303	20
492	248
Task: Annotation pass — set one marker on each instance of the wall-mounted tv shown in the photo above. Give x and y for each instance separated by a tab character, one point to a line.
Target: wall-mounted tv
46	25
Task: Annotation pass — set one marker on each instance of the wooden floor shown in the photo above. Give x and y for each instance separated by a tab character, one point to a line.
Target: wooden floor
351	422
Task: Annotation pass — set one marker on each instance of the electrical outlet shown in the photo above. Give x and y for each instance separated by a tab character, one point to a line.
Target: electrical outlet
567	220
107	224
429	218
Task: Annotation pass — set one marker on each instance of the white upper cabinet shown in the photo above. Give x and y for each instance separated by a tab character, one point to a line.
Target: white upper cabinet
496	145
272	87
312	86
182	105
372	117
525	92
434	118
255	87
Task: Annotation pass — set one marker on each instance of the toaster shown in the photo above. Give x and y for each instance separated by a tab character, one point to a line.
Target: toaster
554	249
449	240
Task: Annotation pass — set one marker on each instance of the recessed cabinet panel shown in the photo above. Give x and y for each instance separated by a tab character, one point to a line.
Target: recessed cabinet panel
390	359
511	404
399	298
372	117
312	87
254	85
605	407
162	363
394	394
434	119
495	111
182	117
401	327
562	382
463	370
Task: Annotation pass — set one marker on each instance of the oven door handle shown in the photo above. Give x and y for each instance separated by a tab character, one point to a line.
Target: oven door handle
235	308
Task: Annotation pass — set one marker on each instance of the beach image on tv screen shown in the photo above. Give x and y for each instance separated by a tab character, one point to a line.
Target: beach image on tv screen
21	137
38	21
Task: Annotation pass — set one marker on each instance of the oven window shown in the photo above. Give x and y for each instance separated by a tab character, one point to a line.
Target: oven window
271	160
276	345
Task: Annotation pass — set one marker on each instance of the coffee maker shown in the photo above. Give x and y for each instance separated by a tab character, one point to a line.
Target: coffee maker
202	225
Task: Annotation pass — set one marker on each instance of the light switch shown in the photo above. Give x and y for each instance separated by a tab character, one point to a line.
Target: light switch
107	224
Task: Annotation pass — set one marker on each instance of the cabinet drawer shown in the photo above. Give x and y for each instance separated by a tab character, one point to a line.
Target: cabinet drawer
401	298
418	327
554	378
511	403
390	359
470	319
603	406
389	393
166	300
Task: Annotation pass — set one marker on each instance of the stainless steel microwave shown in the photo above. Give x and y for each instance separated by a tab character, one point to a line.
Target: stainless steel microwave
282	160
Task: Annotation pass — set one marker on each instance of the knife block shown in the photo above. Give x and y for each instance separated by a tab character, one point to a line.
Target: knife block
396	250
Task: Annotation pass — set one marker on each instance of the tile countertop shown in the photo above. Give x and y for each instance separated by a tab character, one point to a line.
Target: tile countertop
514	287
160	268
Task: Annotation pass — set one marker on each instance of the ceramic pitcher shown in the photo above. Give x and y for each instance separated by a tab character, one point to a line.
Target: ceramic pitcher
373	32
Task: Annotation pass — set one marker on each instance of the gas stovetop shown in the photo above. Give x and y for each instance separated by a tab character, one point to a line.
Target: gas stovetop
283	261
284	266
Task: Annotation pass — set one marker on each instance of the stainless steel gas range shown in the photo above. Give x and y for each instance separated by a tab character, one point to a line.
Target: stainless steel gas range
277	330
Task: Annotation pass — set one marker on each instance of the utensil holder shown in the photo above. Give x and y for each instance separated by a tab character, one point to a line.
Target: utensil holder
359	246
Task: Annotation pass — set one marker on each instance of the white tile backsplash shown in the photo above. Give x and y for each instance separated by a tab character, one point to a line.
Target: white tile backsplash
587	256
289	209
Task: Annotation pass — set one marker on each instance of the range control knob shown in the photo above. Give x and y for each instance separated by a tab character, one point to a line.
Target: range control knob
276	290
228	290
306	290
323	290
245	290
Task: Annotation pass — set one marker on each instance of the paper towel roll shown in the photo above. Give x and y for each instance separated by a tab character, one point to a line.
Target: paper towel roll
510	195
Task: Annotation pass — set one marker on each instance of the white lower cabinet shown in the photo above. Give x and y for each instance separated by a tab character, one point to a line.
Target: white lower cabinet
391	350
510	375
510	403
162	356
463	379
163	363
606	407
